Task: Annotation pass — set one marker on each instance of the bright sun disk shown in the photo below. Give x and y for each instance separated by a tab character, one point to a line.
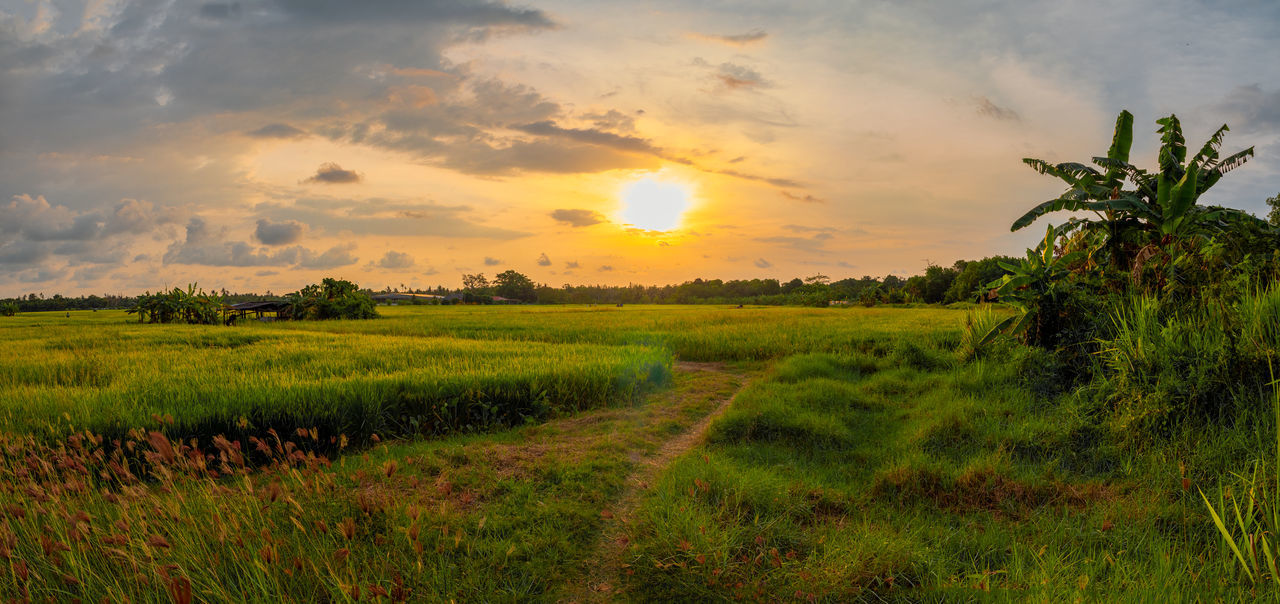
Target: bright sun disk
654	205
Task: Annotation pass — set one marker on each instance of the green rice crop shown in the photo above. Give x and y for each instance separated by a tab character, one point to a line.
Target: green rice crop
207	380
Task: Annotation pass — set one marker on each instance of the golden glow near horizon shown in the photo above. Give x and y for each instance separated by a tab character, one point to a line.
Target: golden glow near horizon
654	205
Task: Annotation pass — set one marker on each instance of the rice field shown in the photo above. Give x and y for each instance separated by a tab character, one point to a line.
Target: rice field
99	372
524	454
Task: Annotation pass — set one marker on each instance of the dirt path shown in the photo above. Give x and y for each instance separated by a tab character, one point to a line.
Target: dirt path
602	583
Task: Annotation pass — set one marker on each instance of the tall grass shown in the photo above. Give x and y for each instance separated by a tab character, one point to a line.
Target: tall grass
1162	368
1247	514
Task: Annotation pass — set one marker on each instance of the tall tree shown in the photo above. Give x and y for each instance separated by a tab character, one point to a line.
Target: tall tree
514	285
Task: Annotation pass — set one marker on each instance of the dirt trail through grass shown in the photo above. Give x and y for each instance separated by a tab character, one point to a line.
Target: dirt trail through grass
602	583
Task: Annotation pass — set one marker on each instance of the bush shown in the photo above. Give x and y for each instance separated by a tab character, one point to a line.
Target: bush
1162	367
8	309
332	299
192	306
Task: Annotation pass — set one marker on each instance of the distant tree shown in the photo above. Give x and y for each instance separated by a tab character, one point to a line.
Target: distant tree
1274	216
514	285
792	285
8	309
475	283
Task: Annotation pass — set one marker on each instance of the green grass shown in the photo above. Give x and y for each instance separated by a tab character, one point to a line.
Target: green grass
876	454
905	477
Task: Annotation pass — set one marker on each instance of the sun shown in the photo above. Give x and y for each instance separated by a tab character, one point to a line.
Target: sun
654	205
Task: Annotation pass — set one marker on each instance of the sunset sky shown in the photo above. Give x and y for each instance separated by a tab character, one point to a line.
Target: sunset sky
259	145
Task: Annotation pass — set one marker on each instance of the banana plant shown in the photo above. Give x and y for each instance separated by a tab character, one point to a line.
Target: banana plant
1036	286
1158	206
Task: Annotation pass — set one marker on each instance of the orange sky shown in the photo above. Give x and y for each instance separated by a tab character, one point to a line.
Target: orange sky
263	145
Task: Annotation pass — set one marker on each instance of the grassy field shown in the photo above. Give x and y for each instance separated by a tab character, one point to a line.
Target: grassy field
585	454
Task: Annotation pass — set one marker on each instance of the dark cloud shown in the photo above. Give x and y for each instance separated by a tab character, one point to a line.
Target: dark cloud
604	268
277	130
220	10
205	246
396	260
543	260
278	233
405	12
1252	109
985	107
571	265
333	174
743	39
762	263
33	230
592	136
23	253
577	217
491	261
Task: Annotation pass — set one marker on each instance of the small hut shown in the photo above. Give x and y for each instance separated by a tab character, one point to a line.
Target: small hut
267	310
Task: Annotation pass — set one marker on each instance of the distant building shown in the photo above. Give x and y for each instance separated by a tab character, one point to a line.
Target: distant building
398	298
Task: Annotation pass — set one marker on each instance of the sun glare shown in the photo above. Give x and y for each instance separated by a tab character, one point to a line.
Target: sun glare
654	205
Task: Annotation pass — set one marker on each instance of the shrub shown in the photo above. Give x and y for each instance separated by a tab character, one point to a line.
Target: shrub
8	309
332	299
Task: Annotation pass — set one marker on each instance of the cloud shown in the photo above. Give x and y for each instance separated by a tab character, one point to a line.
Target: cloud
284	131
32	230
488	261
762	263
220	10
592	136
604	268
754	36
333	174
809	229
986	108
1252	109
205	246
806	244
612	120
543	260
739	77
805	198
577	218
384	217
396	260
481	14
334	257
571	265
278	233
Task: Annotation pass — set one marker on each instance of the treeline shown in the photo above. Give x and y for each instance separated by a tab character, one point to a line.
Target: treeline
37	302
959	282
